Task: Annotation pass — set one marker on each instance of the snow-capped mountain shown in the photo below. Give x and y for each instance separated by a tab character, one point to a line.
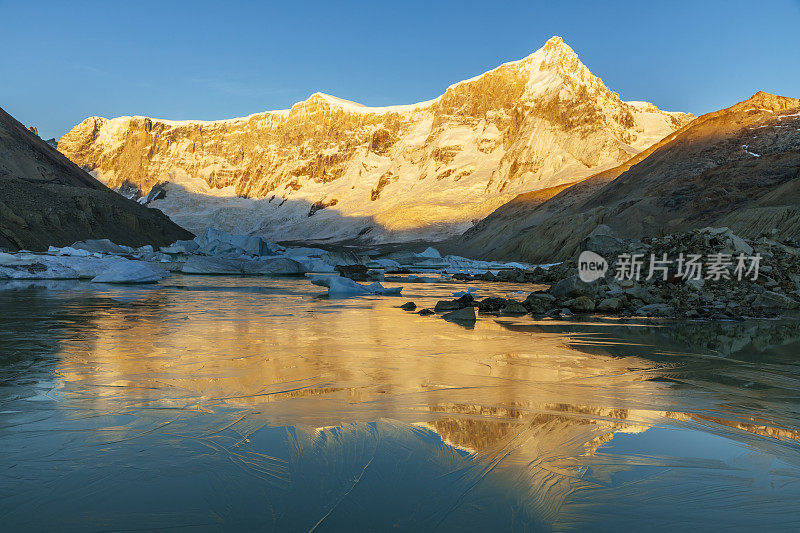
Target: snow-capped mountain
333	169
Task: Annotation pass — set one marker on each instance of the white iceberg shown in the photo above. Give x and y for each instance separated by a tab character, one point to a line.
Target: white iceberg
341	287
198	264
431	253
130	272
68	250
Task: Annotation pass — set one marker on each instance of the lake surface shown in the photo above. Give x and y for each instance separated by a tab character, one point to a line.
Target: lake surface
243	404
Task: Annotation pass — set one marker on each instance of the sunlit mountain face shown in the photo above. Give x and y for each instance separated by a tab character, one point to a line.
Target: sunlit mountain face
236	403
333	169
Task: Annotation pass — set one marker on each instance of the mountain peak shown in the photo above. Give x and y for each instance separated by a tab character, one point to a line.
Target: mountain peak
556	43
772	102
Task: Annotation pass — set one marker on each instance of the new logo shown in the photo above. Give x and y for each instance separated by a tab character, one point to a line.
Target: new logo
591	266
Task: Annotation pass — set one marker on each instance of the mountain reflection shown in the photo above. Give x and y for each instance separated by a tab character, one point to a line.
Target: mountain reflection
352	414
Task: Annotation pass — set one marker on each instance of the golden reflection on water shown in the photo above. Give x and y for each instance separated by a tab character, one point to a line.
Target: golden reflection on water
532	405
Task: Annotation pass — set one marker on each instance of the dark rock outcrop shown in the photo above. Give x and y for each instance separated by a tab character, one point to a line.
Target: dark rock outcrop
46	200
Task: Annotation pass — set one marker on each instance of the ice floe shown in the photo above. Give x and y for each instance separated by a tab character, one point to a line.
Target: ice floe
343	287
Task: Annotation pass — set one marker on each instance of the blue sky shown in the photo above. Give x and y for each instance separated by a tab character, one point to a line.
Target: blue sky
63	61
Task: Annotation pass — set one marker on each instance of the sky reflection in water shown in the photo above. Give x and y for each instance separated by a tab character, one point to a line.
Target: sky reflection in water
215	403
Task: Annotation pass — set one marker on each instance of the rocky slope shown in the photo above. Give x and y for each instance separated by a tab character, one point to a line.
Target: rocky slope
45	200
738	167
332	169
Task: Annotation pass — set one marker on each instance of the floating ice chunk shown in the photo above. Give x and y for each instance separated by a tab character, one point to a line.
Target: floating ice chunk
339	287
421	279
15	259
38	270
68	250
314	264
212	265
383	263
130	272
305	252
85	267
272	265
377	288
216	242
180	247
101	245
470	290
198	264
431	253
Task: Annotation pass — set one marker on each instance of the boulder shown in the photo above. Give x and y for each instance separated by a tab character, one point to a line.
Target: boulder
603	242
450	305
641	293
466	314
493	304
581	303
409	306
609	305
571	287
354	272
538	302
514	308
774	300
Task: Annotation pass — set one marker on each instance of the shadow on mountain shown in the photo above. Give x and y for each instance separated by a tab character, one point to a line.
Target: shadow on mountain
278	219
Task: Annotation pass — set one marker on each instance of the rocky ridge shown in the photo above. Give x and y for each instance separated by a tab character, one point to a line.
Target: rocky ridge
45	200
737	167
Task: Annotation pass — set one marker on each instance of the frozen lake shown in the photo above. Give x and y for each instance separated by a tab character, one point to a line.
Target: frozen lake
225	403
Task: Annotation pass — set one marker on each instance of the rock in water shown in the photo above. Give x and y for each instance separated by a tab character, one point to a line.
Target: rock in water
571	287
354	272
467	314
409	306
514	309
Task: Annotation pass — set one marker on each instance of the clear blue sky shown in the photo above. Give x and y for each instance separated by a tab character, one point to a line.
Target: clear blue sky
63	61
